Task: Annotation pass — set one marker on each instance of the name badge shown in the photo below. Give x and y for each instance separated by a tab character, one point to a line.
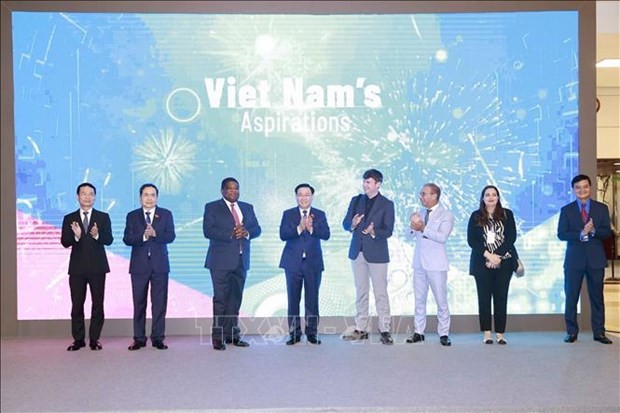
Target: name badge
490	237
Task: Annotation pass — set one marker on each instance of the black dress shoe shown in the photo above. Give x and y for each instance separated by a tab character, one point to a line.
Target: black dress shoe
136	345
76	345
313	339
95	345
603	339
570	338
386	338
159	345
219	346
415	338
237	342
293	340
445	341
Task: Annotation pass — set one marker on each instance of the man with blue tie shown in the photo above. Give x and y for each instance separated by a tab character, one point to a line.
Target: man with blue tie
584	224
431	228
303	228
148	231
229	225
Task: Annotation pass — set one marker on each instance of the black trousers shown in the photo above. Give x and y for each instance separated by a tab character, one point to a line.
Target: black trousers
492	285
227	295
77	286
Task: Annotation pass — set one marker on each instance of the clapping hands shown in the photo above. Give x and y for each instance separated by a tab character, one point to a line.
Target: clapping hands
239	232
588	228
417	223
149	232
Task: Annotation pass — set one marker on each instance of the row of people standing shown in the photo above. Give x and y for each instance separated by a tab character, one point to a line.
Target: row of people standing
491	233
148	230
230	225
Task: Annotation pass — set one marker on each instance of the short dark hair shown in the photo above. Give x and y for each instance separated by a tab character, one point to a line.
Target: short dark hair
148	185
579	178
436	189
304	185
227	180
83	184
374	174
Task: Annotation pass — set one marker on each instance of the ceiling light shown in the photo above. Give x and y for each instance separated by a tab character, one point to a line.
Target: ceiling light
608	63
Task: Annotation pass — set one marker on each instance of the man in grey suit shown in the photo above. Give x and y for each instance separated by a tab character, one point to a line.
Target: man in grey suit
431	228
370	218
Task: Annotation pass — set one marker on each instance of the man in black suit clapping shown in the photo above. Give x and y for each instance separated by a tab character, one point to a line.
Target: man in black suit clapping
87	231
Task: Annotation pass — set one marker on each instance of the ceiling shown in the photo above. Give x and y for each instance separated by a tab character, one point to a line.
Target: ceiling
607	42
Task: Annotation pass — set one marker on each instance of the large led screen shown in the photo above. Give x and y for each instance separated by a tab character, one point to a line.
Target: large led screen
185	100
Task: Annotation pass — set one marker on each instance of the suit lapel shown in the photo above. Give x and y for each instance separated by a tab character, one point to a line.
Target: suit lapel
435	214
226	210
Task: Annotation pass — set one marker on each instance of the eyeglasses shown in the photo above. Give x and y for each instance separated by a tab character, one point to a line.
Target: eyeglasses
426	193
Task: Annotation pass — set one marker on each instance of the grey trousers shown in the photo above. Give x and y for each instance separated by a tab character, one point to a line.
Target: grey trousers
364	273
438	281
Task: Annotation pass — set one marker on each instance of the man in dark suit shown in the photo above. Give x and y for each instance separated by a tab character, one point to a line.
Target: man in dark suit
303	228
86	231
229	225
148	231
370	218
584	224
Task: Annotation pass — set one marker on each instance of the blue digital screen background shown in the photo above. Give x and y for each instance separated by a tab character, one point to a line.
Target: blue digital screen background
184	100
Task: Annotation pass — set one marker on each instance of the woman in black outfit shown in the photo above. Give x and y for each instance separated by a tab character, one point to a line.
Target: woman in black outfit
491	234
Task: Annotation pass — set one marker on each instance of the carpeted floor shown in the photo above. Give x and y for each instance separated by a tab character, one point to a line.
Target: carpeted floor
535	372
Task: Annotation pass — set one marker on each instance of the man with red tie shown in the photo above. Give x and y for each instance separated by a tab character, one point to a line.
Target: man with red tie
303	228
229	225
584	224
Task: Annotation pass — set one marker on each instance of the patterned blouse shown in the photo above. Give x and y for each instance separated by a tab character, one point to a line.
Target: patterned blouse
493	235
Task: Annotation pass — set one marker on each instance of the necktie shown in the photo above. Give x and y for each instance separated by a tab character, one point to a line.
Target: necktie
305	217
428	212
233	210
148	222
85	221
584	213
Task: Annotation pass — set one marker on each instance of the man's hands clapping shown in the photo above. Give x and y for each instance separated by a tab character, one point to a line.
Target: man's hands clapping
239	232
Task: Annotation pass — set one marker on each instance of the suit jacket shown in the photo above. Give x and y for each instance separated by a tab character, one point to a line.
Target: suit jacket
382	215
88	255
430	247
297	244
163	224
217	226
590	254
475	239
